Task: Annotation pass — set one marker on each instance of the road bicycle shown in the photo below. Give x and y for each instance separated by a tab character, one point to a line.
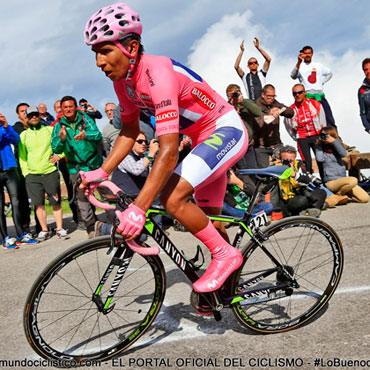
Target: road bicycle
99	297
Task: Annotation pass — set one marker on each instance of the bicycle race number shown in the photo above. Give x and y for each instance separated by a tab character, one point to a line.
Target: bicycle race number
258	221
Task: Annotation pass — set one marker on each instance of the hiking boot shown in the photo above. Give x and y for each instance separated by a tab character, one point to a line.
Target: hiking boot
312	212
27	238
43	235
10	243
61	233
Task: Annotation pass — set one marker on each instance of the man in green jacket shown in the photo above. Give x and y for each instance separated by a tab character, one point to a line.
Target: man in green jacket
38	165
77	135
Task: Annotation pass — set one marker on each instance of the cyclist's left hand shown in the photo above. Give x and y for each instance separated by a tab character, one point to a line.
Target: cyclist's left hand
132	221
97	175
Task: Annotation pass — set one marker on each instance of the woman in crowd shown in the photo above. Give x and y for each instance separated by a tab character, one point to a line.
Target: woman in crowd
330	152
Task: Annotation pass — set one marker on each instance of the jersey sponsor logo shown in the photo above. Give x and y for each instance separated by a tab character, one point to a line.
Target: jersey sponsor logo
163	103
150	79
215	140
218	145
166	116
203	99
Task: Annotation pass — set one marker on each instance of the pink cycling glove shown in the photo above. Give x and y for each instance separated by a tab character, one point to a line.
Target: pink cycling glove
131	220
97	175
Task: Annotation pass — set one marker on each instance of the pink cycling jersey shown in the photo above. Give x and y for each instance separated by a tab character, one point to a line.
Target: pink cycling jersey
180	100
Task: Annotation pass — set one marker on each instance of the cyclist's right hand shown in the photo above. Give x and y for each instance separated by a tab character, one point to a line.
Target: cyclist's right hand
97	175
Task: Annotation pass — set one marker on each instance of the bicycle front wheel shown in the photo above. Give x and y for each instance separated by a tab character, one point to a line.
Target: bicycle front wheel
310	252
61	320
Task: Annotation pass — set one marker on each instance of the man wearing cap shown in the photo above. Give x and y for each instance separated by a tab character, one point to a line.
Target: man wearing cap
38	165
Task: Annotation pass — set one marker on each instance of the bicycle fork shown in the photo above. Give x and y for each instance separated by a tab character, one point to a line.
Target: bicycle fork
122	264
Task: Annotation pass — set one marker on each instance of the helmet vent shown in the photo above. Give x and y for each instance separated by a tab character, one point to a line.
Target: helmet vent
110	11
93	38
93	30
123	23
103	22
108	34
119	15
96	20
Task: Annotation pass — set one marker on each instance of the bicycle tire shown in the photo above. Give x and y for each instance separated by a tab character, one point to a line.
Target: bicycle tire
60	320
314	253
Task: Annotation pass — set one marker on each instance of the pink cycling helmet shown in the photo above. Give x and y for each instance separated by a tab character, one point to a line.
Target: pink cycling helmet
112	23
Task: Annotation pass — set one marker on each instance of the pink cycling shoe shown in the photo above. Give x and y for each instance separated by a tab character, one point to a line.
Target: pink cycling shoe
225	260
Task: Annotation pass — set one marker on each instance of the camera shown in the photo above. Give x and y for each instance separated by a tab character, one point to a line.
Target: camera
286	162
235	94
85	106
323	136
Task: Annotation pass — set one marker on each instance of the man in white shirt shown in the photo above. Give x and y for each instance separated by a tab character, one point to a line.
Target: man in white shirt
313	76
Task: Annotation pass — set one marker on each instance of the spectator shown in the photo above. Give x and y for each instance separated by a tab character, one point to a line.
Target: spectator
266	133
330	152
89	109
77	135
247	110
67	181
364	96
110	133
132	172
38	166
46	118
57	107
9	178
295	197
144	122
313	76
19	127
236	190
306	123
255	79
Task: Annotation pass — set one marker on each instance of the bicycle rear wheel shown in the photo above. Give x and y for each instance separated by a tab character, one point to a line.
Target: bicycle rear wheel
311	252
62	322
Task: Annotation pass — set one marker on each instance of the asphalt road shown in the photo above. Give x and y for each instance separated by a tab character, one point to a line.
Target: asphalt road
180	339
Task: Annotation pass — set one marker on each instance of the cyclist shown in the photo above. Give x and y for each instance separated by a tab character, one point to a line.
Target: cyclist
182	102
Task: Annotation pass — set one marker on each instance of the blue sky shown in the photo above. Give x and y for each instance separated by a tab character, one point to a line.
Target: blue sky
44	56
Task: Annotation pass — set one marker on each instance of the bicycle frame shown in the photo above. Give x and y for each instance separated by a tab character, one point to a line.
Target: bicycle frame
187	267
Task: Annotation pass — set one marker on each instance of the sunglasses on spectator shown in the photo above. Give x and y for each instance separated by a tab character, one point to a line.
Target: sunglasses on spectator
141	141
297	92
270	96
31	115
250	63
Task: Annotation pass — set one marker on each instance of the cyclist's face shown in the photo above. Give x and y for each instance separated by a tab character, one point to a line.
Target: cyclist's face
111	60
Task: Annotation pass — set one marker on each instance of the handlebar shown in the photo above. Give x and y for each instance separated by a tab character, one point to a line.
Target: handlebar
145	251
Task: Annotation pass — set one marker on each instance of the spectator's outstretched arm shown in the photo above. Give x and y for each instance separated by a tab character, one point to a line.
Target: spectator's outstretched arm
267	57
237	67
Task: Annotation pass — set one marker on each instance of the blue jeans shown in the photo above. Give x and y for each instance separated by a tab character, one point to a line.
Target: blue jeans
239	213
